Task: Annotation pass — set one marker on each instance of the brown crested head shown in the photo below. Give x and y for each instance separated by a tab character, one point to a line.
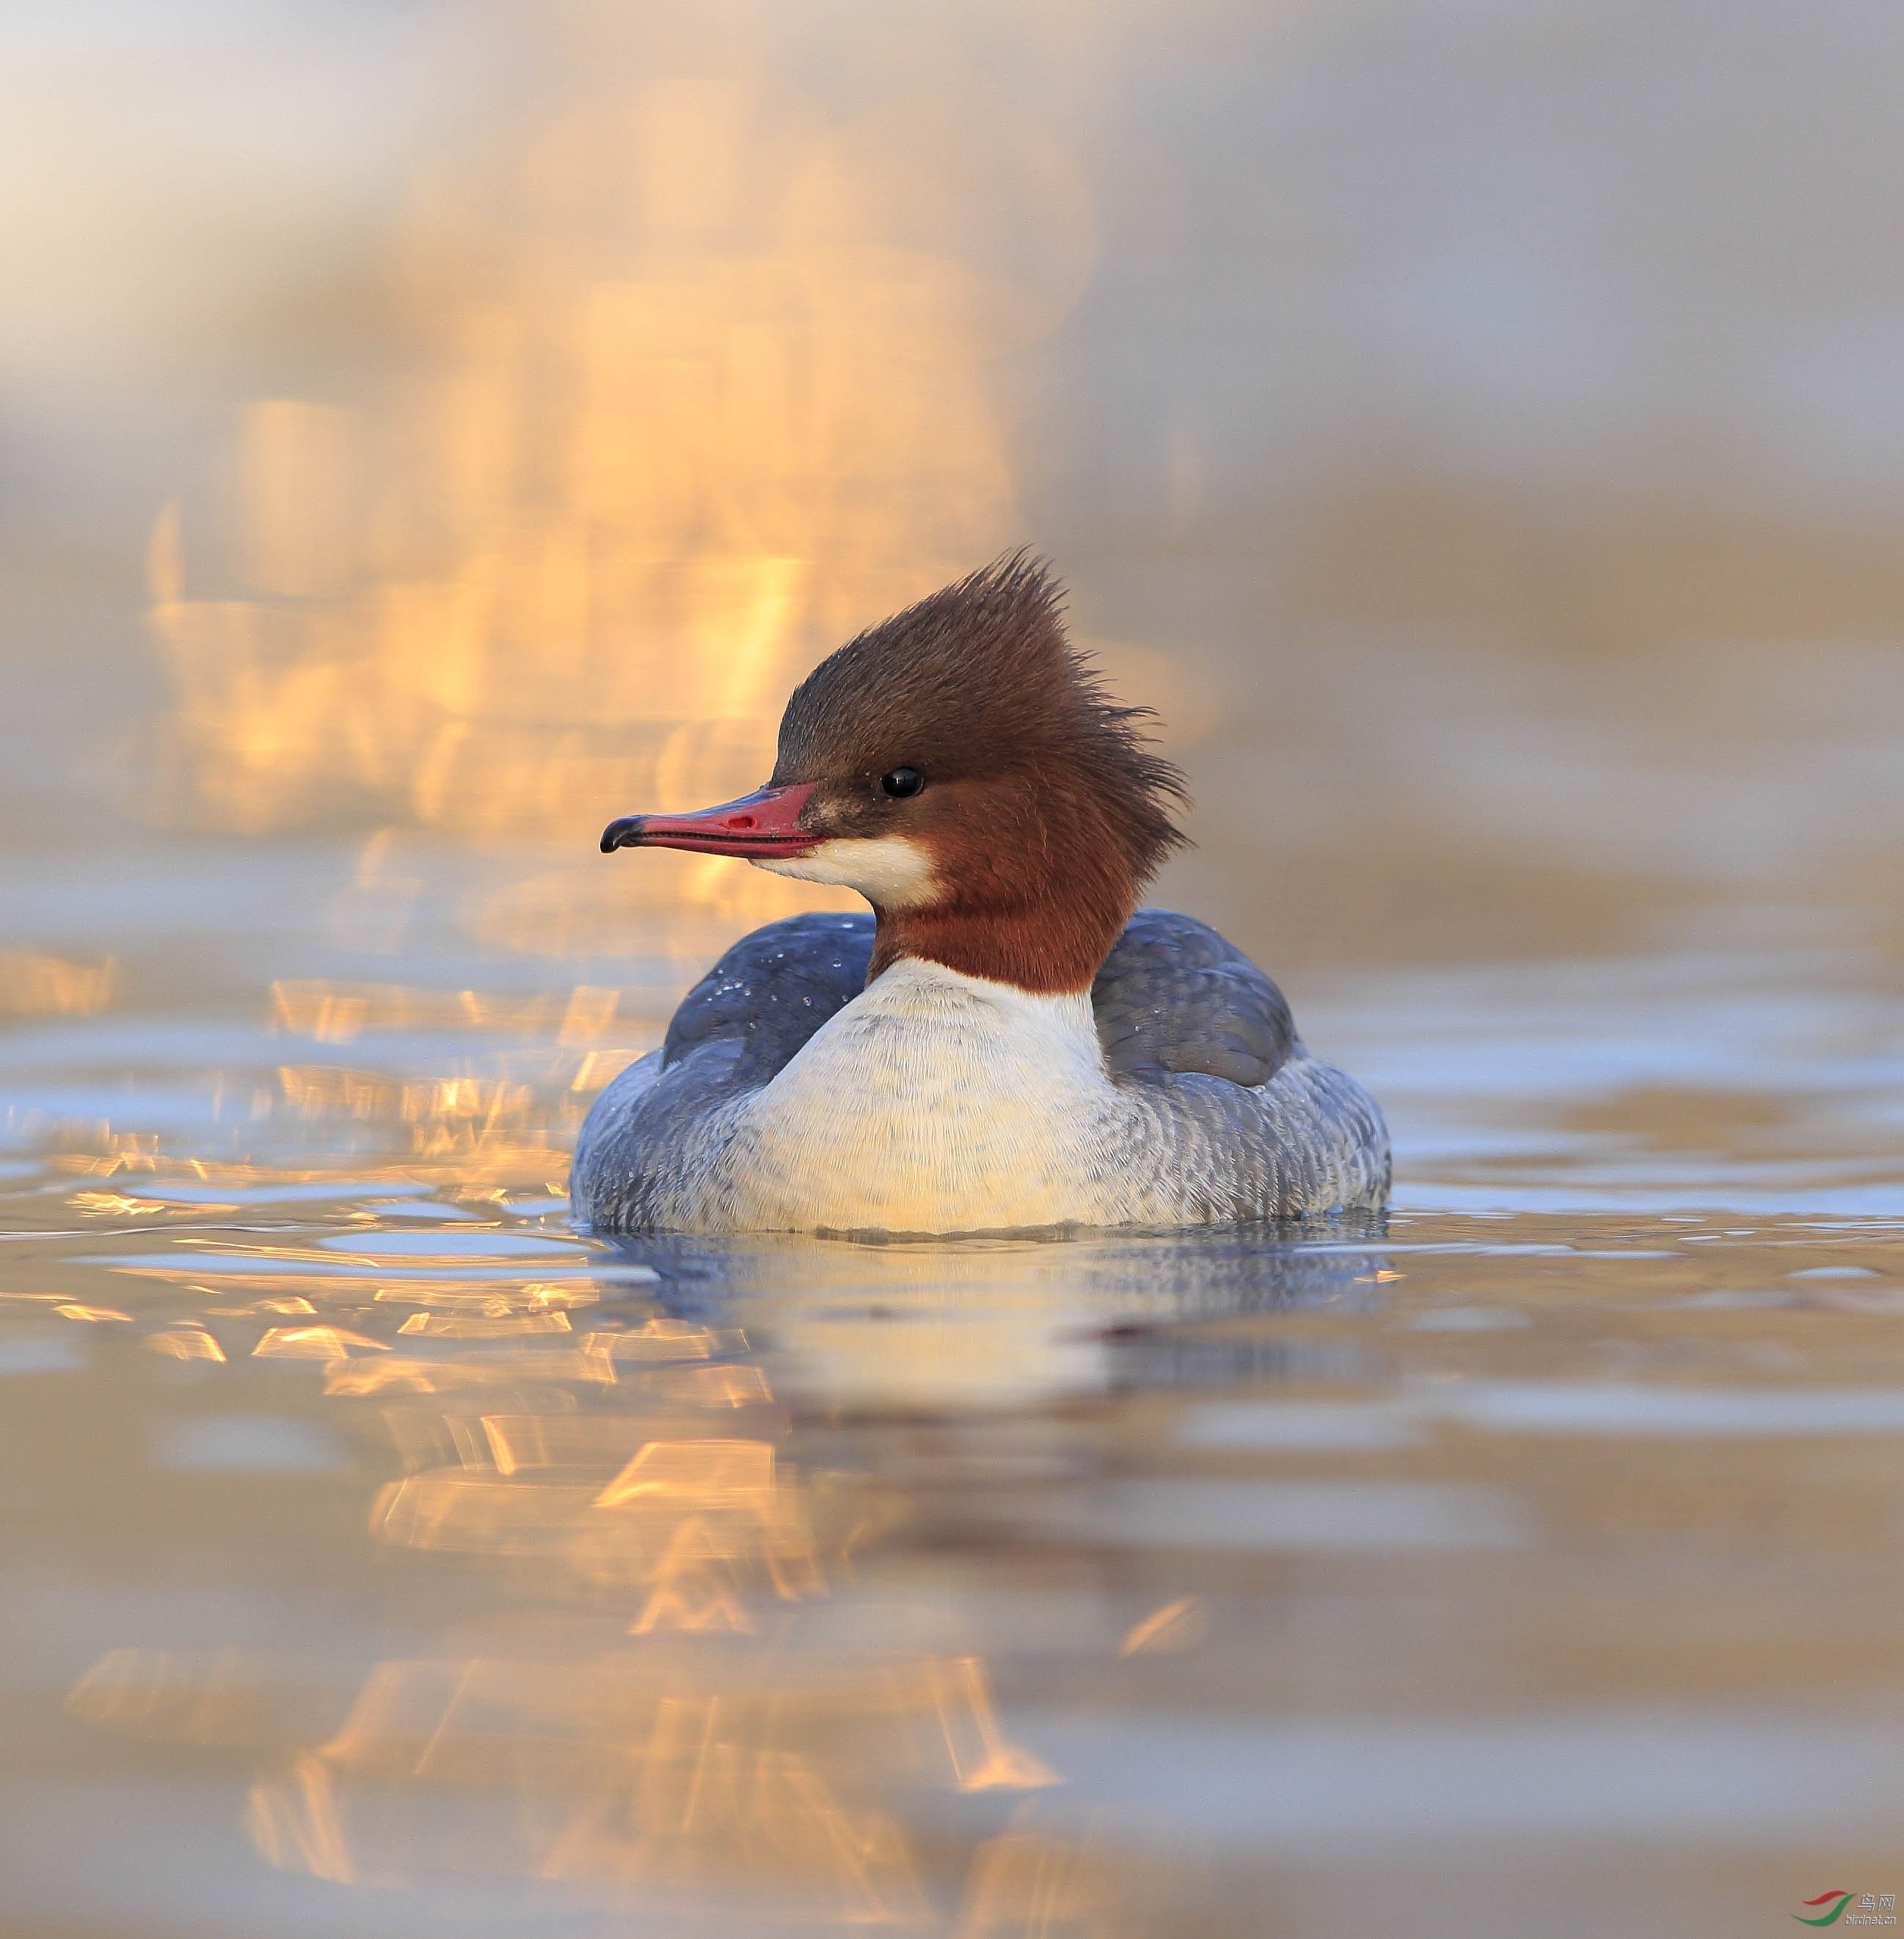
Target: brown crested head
965	768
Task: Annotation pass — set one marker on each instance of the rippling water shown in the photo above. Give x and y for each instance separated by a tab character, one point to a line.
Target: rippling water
385	1558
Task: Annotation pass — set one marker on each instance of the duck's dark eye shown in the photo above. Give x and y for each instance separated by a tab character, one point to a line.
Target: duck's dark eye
903	782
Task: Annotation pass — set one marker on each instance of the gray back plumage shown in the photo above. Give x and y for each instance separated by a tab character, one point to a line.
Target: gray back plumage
1174	998
771	992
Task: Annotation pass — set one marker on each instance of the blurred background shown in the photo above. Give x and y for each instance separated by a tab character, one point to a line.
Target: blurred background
1478	429
430	430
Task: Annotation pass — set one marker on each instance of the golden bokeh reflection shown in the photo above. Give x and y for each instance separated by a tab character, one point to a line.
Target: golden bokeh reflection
32	984
632	1707
696	404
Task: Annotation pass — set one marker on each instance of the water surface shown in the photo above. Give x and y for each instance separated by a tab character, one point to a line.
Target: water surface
384	1556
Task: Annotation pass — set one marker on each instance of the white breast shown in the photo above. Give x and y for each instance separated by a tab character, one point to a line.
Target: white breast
935	1102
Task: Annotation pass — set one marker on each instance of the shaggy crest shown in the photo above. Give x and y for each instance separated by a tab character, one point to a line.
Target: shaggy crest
978	680
1043	799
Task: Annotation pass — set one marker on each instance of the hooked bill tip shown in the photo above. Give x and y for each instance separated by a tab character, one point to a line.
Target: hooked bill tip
621	834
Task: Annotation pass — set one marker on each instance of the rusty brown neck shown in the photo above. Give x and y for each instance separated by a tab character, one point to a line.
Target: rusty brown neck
1048	950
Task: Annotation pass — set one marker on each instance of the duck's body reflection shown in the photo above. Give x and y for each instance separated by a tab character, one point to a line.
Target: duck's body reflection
997	1322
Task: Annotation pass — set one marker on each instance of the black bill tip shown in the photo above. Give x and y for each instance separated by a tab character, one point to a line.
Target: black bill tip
622	834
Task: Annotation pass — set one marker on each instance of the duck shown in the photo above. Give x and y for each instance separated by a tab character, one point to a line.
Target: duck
1005	1042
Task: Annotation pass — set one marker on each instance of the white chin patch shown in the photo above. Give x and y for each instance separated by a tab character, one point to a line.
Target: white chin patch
892	872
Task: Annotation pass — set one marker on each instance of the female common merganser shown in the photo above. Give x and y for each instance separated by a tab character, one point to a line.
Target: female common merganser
1003	1045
